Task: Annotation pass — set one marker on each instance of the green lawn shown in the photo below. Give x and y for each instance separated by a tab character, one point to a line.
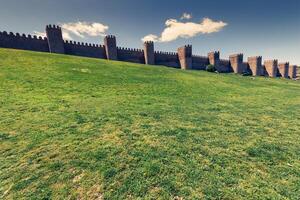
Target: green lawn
80	128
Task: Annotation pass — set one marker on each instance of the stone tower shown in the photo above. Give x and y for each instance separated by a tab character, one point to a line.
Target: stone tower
271	67
185	56
284	69
255	64
236	62
111	47
293	71
55	39
149	53
214	58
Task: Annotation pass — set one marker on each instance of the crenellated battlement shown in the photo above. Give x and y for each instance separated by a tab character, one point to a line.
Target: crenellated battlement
293	71
130	49
201	57
214	53
188	46
271	67
110	44
199	62
254	58
274	61
22	36
284	63
166	53
183	58
149	54
148	42
283	69
214	59
55	39
84	49
236	62
186	49
237	55
50	26
255	65
23	41
82	44
110	36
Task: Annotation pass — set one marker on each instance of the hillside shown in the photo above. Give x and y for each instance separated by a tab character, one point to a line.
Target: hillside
80	128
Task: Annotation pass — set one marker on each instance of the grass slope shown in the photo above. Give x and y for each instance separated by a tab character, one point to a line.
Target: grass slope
79	128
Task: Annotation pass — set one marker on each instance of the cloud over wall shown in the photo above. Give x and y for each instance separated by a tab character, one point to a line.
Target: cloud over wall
175	29
80	29
83	29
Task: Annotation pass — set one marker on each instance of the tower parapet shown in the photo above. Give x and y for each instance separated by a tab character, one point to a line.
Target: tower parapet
236	62
55	39
255	64
271	67
149	53
110	43
185	57
284	69
214	58
293	71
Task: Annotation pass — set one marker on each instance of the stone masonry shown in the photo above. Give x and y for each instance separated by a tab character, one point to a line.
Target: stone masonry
183	58
110	43
284	69
149	53
55	39
236	62
255	64
293	71
271	67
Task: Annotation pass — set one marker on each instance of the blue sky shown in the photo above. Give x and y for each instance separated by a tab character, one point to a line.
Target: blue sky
256	27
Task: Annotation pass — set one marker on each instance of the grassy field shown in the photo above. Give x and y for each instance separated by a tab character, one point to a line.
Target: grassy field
79	128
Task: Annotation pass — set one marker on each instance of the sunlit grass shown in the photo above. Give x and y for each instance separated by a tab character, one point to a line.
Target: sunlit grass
79	128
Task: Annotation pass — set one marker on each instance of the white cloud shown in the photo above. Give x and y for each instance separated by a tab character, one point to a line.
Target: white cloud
79	29
39	34
150	37
175	29
186	16
83	29
66	35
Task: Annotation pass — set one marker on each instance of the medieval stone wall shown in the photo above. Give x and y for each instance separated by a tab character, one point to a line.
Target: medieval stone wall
25	42
224	66
168	59
199	62
183	58
131	55
84	49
